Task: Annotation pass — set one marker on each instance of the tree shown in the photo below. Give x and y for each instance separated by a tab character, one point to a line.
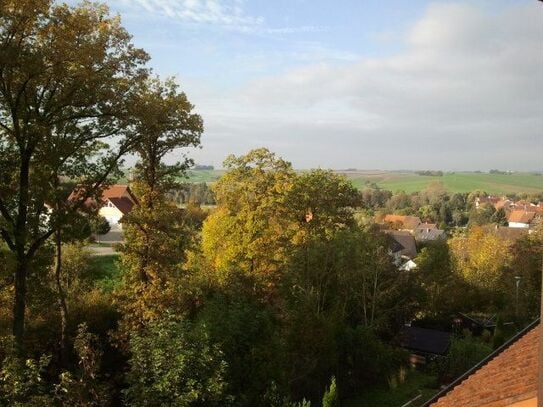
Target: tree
85	389
165	122
100	226
323	201
174	363
67	78
481	260
251	228
499	217
156	233
331	395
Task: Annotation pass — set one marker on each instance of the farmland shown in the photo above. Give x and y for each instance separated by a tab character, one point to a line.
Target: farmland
410	182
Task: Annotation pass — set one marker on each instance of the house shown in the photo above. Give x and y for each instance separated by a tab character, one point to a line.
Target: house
508	377
523	205
521	219
426	232
425	344
403	248
117	201
504	204
402	222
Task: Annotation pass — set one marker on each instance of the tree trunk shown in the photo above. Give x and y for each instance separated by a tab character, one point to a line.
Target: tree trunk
63	309
22	258
19	304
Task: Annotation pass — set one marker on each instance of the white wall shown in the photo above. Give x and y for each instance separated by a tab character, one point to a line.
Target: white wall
518	225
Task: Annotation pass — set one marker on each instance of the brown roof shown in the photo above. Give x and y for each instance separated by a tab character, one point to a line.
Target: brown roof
521	216
508	376
117	191
114	191
408	222
123	204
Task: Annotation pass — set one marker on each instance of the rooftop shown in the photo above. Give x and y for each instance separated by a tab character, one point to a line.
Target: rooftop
508	377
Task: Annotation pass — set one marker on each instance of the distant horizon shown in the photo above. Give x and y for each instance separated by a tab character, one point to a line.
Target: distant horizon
393	170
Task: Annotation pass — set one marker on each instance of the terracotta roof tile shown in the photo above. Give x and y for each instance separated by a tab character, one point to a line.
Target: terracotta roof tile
521	216
509	377
407	222
115	191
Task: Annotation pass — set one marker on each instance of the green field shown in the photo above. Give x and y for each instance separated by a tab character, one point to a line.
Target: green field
453	182
498	184
198	176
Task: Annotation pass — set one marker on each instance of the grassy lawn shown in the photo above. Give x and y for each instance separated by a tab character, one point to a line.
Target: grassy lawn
416	383
109	271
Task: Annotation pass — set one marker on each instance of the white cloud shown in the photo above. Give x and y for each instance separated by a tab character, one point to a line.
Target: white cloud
466	92
226	14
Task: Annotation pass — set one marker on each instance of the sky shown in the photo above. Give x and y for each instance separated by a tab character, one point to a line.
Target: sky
368	84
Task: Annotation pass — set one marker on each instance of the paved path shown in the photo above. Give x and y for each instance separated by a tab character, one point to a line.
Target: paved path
102	250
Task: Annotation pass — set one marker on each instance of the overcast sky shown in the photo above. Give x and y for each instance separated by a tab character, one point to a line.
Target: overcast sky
369	84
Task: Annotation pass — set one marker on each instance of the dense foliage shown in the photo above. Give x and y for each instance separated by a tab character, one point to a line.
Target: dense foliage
283	294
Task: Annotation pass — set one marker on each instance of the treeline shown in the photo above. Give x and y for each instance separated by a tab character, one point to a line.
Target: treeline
430	173
436	205
194	193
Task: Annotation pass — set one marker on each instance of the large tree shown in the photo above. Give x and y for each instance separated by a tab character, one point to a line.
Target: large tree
250	230
67	79
155	231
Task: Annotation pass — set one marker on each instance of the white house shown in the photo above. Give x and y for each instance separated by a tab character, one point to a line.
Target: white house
117	201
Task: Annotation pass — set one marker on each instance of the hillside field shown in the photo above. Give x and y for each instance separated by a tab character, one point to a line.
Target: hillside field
410	182
454	182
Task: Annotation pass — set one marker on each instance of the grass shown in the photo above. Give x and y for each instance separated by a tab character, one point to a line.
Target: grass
416	383
109	271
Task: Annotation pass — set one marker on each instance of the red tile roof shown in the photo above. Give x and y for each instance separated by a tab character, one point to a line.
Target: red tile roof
521	216
116	191
510	376
407	222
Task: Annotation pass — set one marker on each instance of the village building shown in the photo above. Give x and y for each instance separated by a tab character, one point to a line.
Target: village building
402	222
402	249
521	219
504	204
427	232
117	201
